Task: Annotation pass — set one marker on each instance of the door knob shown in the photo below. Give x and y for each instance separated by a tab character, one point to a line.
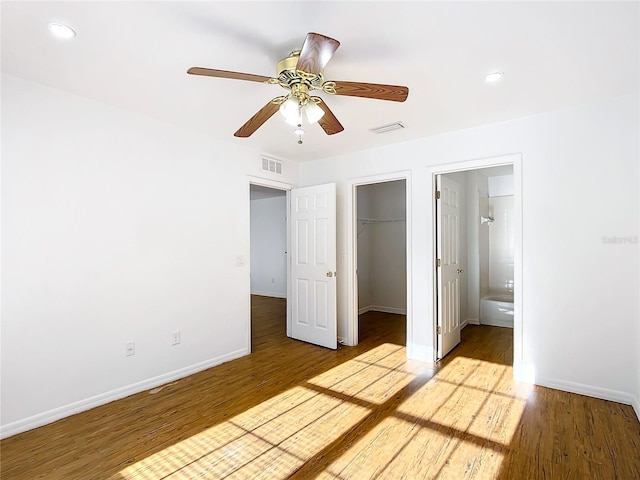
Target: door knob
460	270
329	274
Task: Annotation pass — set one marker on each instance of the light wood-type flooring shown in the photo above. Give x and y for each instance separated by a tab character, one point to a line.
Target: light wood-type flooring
293	410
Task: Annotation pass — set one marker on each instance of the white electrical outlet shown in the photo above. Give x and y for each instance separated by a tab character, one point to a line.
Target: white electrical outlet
176	337
130	348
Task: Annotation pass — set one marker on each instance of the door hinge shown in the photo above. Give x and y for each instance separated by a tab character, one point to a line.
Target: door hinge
437	194
439	330
438	262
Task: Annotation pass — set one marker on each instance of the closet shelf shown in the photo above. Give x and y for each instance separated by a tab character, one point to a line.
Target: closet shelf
380	220
370	221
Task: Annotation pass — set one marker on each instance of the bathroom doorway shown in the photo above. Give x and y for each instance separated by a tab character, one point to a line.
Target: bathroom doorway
477	255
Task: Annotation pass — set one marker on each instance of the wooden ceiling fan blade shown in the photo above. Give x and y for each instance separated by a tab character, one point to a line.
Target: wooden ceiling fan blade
328	121
316	52
394	93
255	122
210	72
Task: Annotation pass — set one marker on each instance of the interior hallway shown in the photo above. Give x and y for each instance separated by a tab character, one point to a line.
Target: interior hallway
294	410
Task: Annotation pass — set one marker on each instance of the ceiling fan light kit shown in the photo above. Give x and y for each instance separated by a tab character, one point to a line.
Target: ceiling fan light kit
299	105
312	112
302	72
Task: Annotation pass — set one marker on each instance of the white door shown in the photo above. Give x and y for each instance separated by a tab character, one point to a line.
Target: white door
313	265
448	255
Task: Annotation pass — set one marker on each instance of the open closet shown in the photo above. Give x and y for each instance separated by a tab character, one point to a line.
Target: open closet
381	247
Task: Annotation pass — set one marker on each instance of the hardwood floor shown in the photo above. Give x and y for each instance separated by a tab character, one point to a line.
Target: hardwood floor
293	410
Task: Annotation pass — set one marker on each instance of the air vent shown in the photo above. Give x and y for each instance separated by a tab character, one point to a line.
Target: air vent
388	128
270	165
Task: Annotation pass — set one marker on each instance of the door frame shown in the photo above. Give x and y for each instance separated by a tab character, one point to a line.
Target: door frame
276	185
351	264
510	159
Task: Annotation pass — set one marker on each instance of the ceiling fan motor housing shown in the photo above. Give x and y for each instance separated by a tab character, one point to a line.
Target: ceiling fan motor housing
288	75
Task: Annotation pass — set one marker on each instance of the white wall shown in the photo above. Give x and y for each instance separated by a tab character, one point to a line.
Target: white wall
485	281
116	228
500	185
364	249
477	244
501	244
580	295
269	247
382	247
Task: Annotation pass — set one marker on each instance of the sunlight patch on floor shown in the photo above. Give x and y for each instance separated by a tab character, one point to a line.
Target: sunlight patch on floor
381	356
475	397
372	377
459	420
445	429
184	453
276	437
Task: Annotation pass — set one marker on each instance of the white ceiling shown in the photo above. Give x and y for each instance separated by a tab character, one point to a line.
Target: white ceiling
134	55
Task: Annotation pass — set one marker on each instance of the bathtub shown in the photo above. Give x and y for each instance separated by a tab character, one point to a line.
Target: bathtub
497	310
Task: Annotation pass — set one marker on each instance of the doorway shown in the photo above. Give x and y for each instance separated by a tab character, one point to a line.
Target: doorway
477	249
268	256
300	254
268	242
378	266
381	254
381	257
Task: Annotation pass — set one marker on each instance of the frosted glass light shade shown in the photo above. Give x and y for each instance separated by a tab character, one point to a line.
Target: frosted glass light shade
312	112
293	113
290	110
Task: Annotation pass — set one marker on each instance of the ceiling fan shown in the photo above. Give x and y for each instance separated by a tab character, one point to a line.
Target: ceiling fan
301	73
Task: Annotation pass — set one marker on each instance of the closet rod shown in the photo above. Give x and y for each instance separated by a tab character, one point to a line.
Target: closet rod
378	220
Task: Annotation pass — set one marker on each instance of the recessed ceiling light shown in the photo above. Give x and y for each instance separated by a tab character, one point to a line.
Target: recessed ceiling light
493	77
61	31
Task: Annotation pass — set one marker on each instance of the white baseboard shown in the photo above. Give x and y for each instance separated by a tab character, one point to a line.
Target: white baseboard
269	294
635	403
589	391
469	321
497	323
380	308
51	416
